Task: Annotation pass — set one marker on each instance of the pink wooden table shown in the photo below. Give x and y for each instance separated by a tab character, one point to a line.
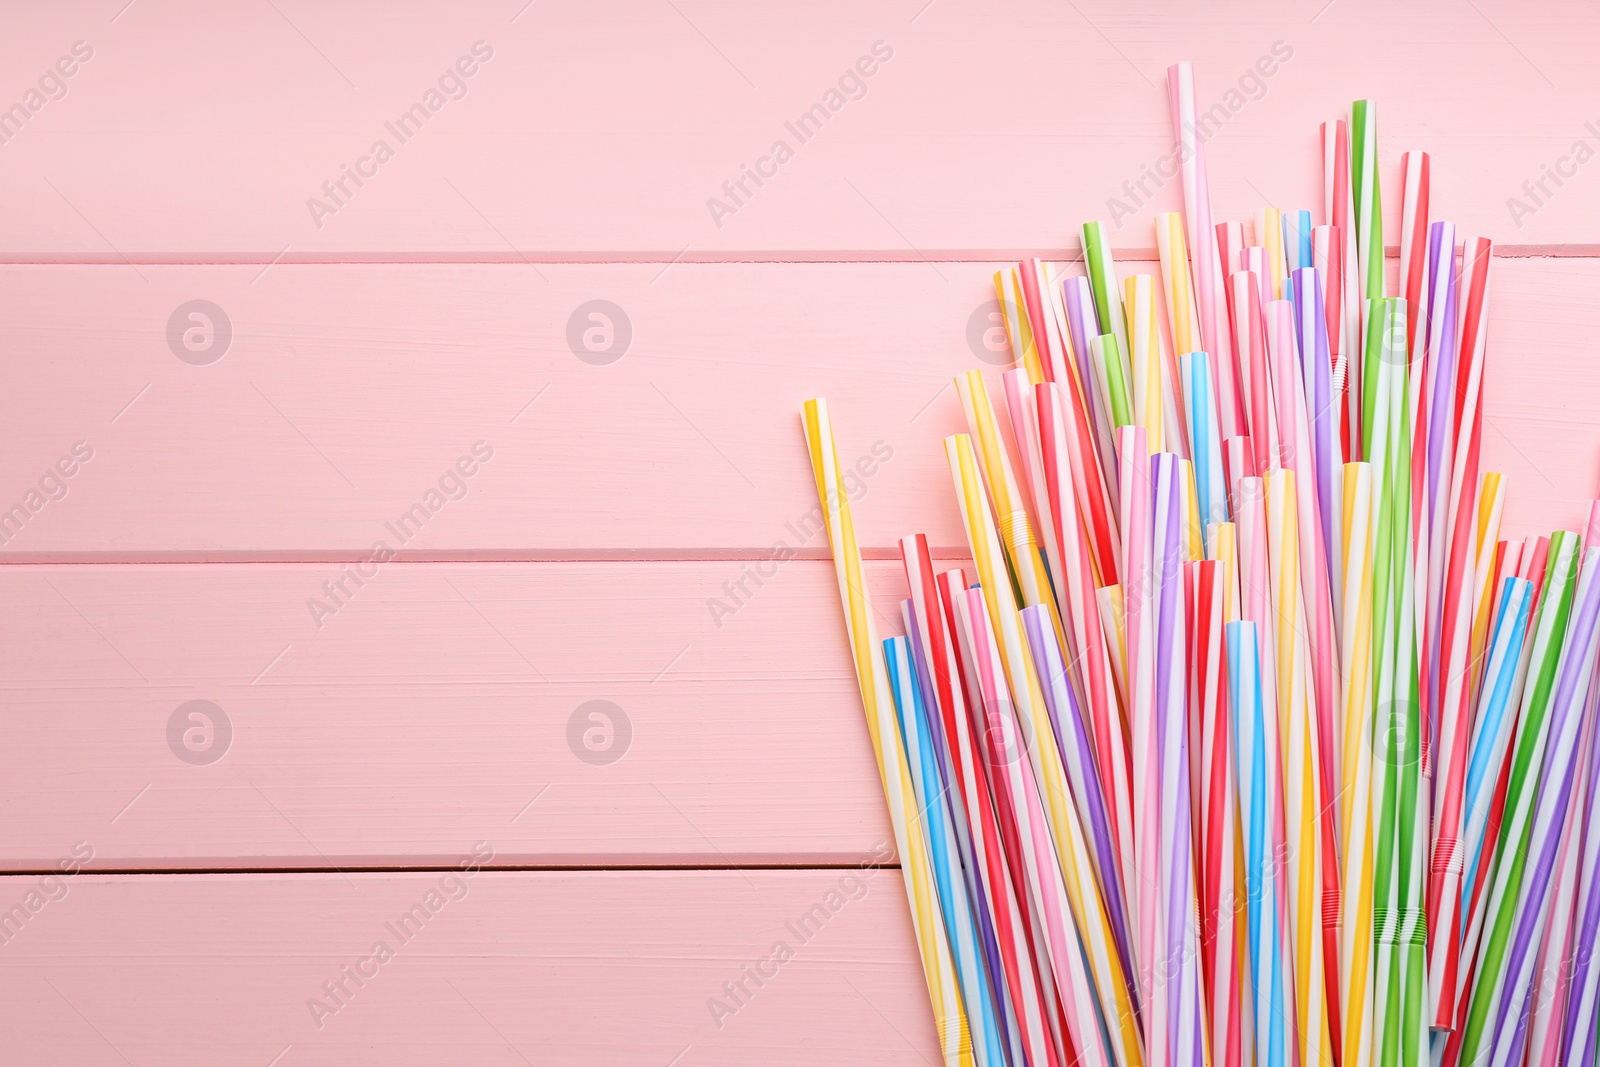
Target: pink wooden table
400	347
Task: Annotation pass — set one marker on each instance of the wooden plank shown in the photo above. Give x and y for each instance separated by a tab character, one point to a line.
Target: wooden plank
605	130
507	968
348	393
435	706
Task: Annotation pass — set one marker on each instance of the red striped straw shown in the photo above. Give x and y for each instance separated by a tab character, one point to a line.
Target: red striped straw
1414	242
1222	904
1042	872
990	734
972	783
1075	592
1048	334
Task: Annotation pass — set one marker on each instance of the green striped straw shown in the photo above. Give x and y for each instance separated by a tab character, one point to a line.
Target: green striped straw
1368	196
1399	869
1108	361
1527	761
1102	271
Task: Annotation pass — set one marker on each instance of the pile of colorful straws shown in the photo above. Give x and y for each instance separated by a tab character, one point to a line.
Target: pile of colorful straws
1253	742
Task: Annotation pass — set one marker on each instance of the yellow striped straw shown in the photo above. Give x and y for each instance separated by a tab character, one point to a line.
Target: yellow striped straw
1302	800
1014	307
1083	893
1223	539
1144	357
1491	504
1355	793
1269	235
949	1017
1193	549
1173	248
1021	546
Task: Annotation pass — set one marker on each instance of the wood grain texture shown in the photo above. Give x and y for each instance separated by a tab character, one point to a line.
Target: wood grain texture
203	131
510	968
348	392
434	708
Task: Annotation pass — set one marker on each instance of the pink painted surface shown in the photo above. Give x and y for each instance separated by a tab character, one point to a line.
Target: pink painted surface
605	132
347	392
429	309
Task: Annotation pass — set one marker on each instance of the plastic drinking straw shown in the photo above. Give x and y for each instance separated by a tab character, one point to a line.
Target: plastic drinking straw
990	742
1269	235
997	957
1414	169
1102	273
1296	241
1498	1028
1180	953
1144	356
1489	984
1139	686
1455	717
1006	737
1299	456
1109	360
1488	828
1254	739
1046	317
1073	740
1223	904
1327	255
962	821
1302	776
1355	794
1341	213
1580	1036
1256	261
1084	325
988	1048
1176	283
1021	547
1367	195
1014	309
950	1018
1553	966
1083	894
1238	461
970	774
1222	546
1024	431
1089	481
1205	442
1501	694
1193	548
1400	1031
1440	339
1322	411
1251	333
1075	591
1210	268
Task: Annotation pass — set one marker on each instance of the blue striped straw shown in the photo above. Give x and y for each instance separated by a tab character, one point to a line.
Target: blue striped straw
1269	975
987	1044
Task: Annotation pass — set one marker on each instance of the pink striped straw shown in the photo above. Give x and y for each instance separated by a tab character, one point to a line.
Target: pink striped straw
1207	265
1179	973
972	783
1251	331
1340	211
1138	628
1322	639
1075	591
